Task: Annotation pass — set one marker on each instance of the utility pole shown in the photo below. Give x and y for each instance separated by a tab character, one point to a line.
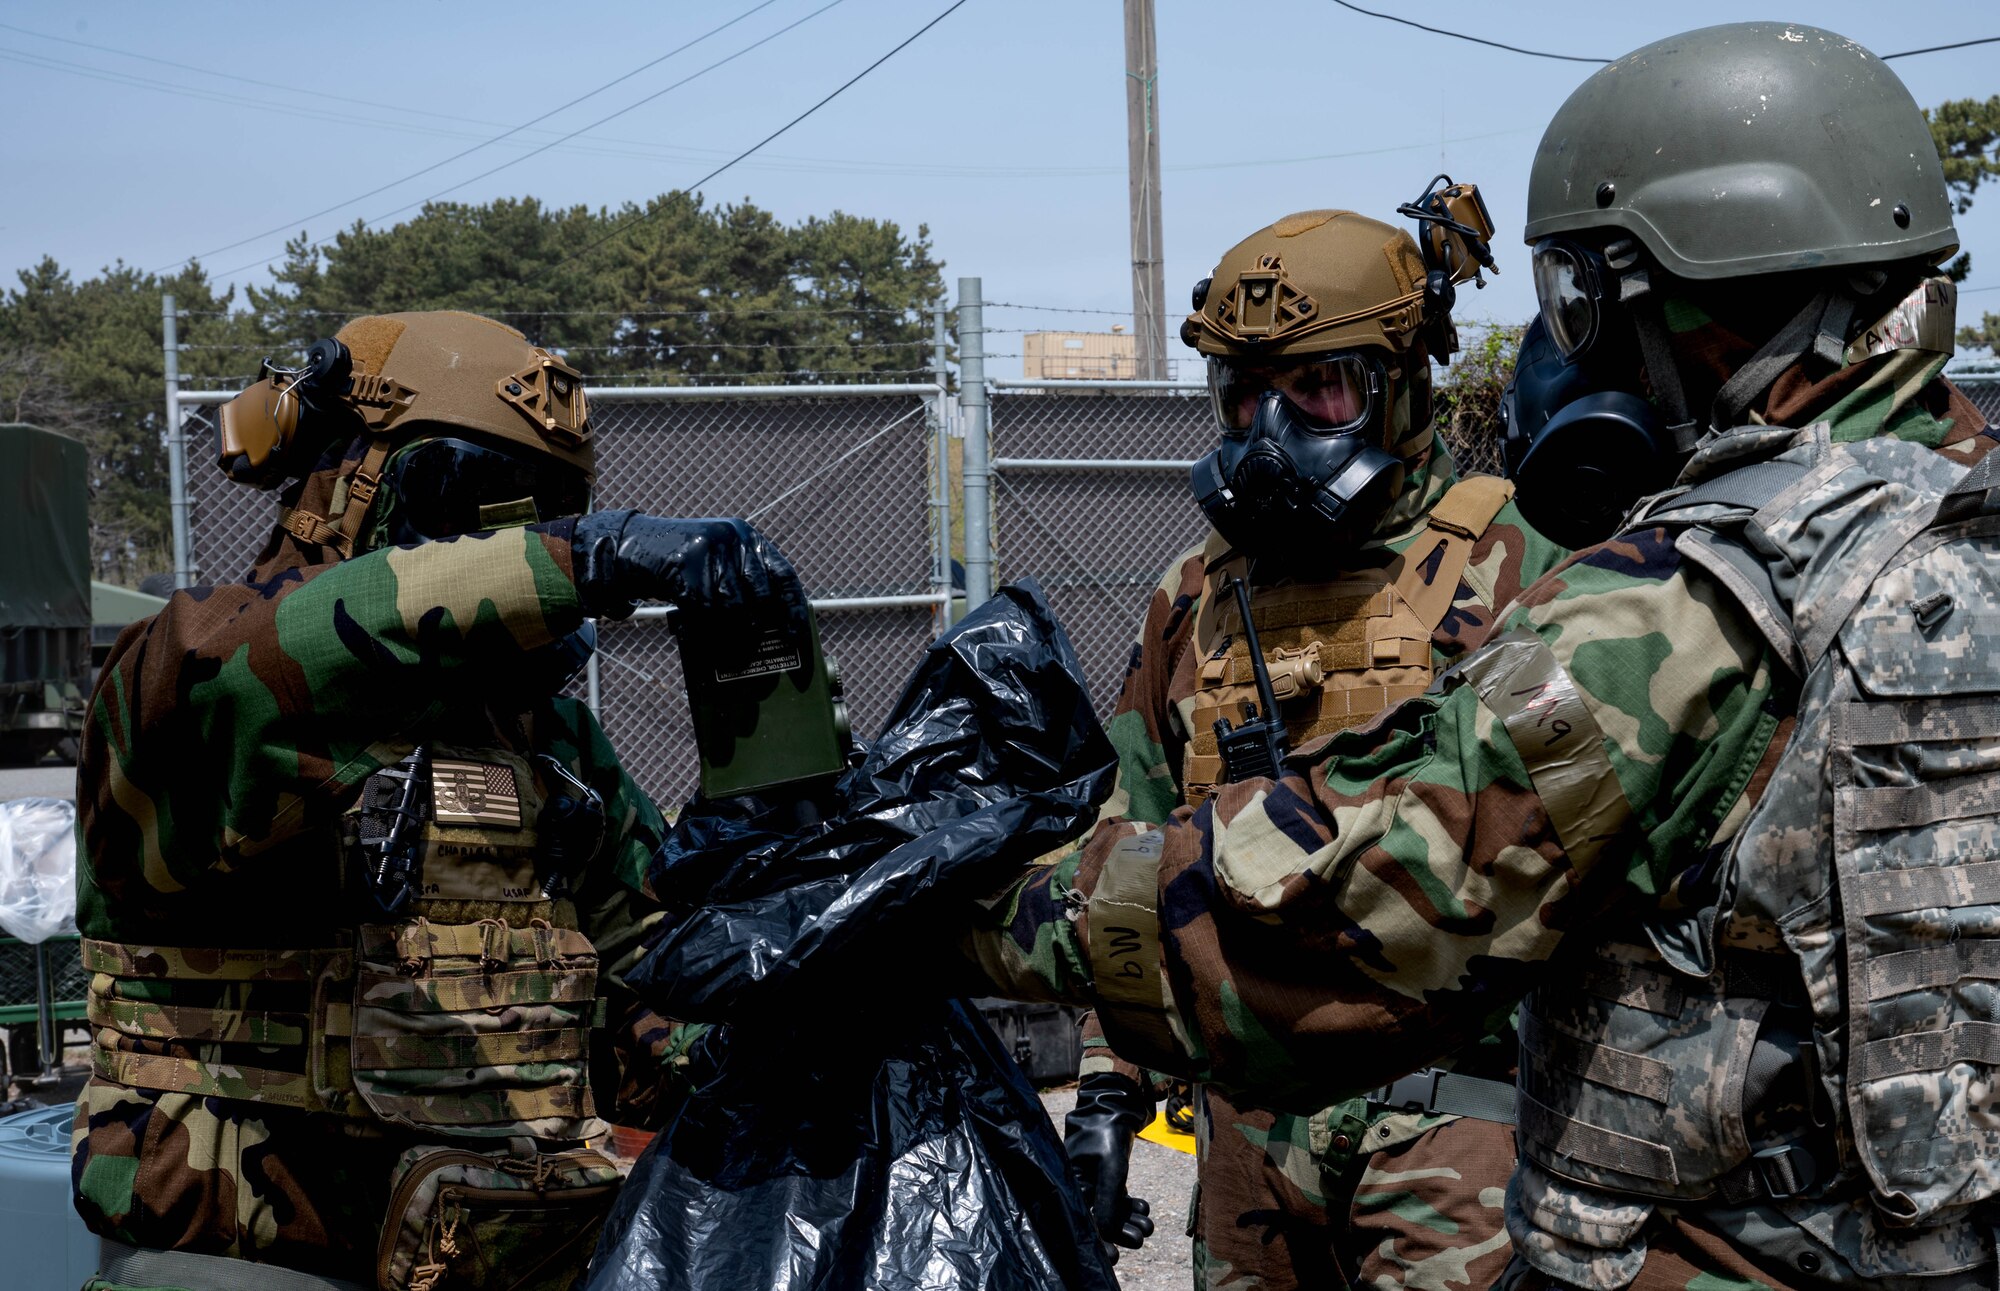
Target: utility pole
1142	164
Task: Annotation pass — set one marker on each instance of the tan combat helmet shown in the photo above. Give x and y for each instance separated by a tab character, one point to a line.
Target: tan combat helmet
1311	283
471	372
400	377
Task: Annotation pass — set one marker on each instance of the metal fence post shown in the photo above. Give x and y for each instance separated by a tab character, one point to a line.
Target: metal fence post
941	451
972	407
48	1042
177	477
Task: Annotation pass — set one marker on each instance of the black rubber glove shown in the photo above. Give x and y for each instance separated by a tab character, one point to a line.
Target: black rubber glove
1110	1111
706	566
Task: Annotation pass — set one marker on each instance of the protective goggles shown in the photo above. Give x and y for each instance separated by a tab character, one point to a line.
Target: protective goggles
1333	395
1576	289
445	487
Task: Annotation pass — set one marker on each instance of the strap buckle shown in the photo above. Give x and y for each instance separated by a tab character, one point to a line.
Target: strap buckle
301	524
361	489
1416	1092
1786	1170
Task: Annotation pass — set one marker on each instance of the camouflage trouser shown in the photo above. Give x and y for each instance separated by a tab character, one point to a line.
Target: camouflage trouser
1429	1214
219	1177
1288	1201
1259	1218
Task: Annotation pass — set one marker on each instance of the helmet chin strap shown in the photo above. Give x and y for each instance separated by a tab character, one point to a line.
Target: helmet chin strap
1635	292
1819	329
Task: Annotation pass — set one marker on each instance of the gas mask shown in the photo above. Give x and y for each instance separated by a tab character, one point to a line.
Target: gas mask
1580	451
444	486
1300	477
1580	439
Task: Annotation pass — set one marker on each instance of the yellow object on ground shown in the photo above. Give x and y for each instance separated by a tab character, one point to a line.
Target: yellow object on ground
1160	1132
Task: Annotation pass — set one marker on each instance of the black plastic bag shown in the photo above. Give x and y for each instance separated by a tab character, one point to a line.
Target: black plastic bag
991	758
848	1127
840	1158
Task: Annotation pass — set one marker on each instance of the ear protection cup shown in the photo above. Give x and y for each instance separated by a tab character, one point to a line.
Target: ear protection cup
277	427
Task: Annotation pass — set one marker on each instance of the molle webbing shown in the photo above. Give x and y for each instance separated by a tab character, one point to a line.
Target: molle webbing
129	1029
1339	652
476	1028
1337	710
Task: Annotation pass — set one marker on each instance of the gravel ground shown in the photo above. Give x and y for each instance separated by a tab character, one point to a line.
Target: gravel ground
1165	1178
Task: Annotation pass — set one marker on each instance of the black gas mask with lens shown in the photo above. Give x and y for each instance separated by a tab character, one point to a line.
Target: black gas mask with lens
446	486
1580	455
1579	439
1301	475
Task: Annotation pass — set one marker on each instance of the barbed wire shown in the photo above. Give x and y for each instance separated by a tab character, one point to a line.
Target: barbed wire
819	376
1069	309
656	376
771	311
695	344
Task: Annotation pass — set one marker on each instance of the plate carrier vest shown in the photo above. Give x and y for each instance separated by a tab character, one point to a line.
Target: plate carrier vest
1822	1039
1339	651
467	1013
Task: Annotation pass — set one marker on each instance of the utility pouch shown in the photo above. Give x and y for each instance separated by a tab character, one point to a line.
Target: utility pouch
479	1221
476	1029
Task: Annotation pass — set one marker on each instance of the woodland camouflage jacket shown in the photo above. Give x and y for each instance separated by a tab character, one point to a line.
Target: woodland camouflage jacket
1398	892
226	737
1146	728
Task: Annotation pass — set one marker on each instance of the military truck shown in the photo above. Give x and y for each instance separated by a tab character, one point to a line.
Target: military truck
44	592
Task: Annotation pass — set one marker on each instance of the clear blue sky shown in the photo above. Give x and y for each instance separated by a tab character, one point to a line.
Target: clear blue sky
1003	129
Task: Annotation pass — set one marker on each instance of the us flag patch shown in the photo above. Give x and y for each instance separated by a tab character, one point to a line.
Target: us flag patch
475	793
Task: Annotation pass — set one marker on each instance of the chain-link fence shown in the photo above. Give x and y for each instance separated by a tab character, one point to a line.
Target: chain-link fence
1090	496
844	479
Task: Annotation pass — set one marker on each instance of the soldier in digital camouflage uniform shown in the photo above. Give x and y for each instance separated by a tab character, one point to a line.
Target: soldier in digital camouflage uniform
1358	1190
298	1002
1713	805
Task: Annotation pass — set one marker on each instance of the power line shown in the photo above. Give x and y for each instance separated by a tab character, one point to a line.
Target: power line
45	63
515	161
212	73
1578	58
1459	35
292	224
1932	49
644	216
619	147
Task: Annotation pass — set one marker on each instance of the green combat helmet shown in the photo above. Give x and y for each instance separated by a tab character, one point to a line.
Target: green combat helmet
1809	153
1773	179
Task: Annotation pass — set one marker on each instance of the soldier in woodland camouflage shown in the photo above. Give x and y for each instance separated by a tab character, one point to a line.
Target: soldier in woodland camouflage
1712	805
1360	1191
358	886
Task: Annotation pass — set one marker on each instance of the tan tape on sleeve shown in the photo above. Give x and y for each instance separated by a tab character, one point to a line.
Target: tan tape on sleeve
1132	999
1526	686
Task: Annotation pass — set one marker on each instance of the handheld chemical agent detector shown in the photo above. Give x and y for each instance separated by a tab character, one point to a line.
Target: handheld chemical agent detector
768	710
